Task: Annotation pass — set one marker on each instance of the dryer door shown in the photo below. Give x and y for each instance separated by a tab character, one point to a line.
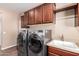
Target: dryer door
35	44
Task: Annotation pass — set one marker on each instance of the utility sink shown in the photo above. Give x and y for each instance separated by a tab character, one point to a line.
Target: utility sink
63	44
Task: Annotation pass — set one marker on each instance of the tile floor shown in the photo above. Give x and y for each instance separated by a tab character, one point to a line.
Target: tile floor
9	52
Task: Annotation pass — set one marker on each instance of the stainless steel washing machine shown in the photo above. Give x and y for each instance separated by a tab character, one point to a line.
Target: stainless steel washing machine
36	46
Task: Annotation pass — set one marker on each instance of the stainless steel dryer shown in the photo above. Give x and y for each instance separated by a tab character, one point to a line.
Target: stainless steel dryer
22	43
36	46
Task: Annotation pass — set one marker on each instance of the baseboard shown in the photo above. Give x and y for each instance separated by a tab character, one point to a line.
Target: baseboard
8	47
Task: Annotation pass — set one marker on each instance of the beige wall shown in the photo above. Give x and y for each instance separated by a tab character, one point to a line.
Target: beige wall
10	28
70	33
0	31
49	26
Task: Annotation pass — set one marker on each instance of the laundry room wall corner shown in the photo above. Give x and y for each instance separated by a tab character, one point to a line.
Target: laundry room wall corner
10	28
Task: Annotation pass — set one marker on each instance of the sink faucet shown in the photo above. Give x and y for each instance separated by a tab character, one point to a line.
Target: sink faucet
62	37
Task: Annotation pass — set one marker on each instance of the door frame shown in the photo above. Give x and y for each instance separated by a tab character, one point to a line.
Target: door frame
1	25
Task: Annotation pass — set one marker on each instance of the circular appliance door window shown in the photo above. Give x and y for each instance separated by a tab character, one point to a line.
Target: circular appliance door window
35	44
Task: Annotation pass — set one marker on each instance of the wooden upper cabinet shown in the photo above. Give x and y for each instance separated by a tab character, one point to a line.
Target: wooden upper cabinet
31	17
26	18
22	21
38	15
77	15
48	13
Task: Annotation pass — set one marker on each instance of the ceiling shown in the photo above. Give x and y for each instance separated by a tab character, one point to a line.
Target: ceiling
19	7
63	5
22	7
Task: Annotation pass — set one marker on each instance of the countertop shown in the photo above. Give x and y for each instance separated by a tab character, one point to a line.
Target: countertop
75	50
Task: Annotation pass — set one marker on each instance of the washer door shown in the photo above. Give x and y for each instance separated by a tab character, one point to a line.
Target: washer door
35	44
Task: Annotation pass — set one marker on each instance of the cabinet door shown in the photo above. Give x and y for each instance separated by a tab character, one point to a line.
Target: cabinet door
57	51
38	15
26	19
77	15
52	54
22	21
48	13
32	17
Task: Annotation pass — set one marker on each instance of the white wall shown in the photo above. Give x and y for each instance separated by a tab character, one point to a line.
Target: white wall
10	28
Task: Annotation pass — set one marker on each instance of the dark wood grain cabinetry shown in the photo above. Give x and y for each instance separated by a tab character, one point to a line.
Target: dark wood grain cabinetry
22	21
31	17
26	18
77	15
48	13
52	54
39	15
53	51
